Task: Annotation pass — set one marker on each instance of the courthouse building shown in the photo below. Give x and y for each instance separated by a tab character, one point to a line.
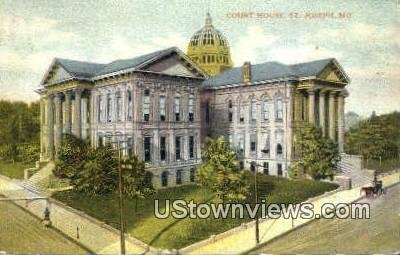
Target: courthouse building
162	105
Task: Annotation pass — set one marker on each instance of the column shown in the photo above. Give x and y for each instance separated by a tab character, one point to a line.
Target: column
42	126
332	115
78	121
58	120
67	111
50	127
311	106
341	121
322	111
290	120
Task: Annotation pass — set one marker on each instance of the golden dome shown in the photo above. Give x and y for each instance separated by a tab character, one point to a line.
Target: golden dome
209	48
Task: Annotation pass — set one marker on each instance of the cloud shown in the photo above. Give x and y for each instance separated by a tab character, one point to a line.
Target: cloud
120	47
249	46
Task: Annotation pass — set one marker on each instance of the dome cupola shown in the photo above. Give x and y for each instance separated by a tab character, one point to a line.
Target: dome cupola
209	48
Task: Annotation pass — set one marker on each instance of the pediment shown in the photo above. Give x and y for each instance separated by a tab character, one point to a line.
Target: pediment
333	73
173	64
56	73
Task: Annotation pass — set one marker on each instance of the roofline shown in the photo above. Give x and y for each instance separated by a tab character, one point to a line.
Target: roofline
137	68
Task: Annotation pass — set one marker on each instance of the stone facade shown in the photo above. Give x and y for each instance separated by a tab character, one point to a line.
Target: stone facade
161	107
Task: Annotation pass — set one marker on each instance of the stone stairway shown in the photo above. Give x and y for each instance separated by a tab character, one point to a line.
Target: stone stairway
43	174
351	166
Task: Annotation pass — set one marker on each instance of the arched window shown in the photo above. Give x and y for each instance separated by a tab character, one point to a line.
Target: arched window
164	179
265	111
191	108
279	109
253	166
230	111
253	110
279	149
118	105
241	112
129	110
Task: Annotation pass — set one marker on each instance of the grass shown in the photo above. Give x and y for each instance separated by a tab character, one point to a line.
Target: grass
174	233
23	233
13	170
387	164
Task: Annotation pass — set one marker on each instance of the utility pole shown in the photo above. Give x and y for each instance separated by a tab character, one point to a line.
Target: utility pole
120	195
121	203
256	199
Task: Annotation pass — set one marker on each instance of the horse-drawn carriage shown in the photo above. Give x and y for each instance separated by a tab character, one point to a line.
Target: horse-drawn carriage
374	190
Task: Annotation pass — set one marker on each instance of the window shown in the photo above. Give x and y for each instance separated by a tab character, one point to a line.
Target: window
179	177
100	140
279	149
118	106
191	147
279	166
146	105
177	102
164	179
147	149
191	108
266	168
241	113
253	166
129	146
265	112
207	112
253	143
178	148
279	109
129	111
241	143
163	149
266	146
241	164
192	174
230	113
109	108
100	108
162	108
253	110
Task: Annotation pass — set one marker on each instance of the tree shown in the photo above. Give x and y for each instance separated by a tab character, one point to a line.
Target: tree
376	137
135	179
98	175
219	171
19	127
71	156
317	156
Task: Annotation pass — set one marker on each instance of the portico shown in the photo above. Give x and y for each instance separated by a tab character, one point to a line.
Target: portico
324	107
61	114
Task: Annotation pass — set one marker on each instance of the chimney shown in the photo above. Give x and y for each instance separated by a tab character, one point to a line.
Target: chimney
246	72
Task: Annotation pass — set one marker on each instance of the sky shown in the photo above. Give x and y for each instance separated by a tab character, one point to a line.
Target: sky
363	35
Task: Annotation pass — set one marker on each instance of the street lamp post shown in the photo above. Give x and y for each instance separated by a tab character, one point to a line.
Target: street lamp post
121	202
257	227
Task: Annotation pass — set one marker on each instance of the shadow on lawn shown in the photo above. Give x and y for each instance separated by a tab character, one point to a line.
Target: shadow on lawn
172	224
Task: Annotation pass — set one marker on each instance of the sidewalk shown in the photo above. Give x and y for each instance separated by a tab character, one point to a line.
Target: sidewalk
91	233
243	239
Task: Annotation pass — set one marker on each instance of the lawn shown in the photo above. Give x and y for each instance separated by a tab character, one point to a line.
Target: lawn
13	170
174	233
